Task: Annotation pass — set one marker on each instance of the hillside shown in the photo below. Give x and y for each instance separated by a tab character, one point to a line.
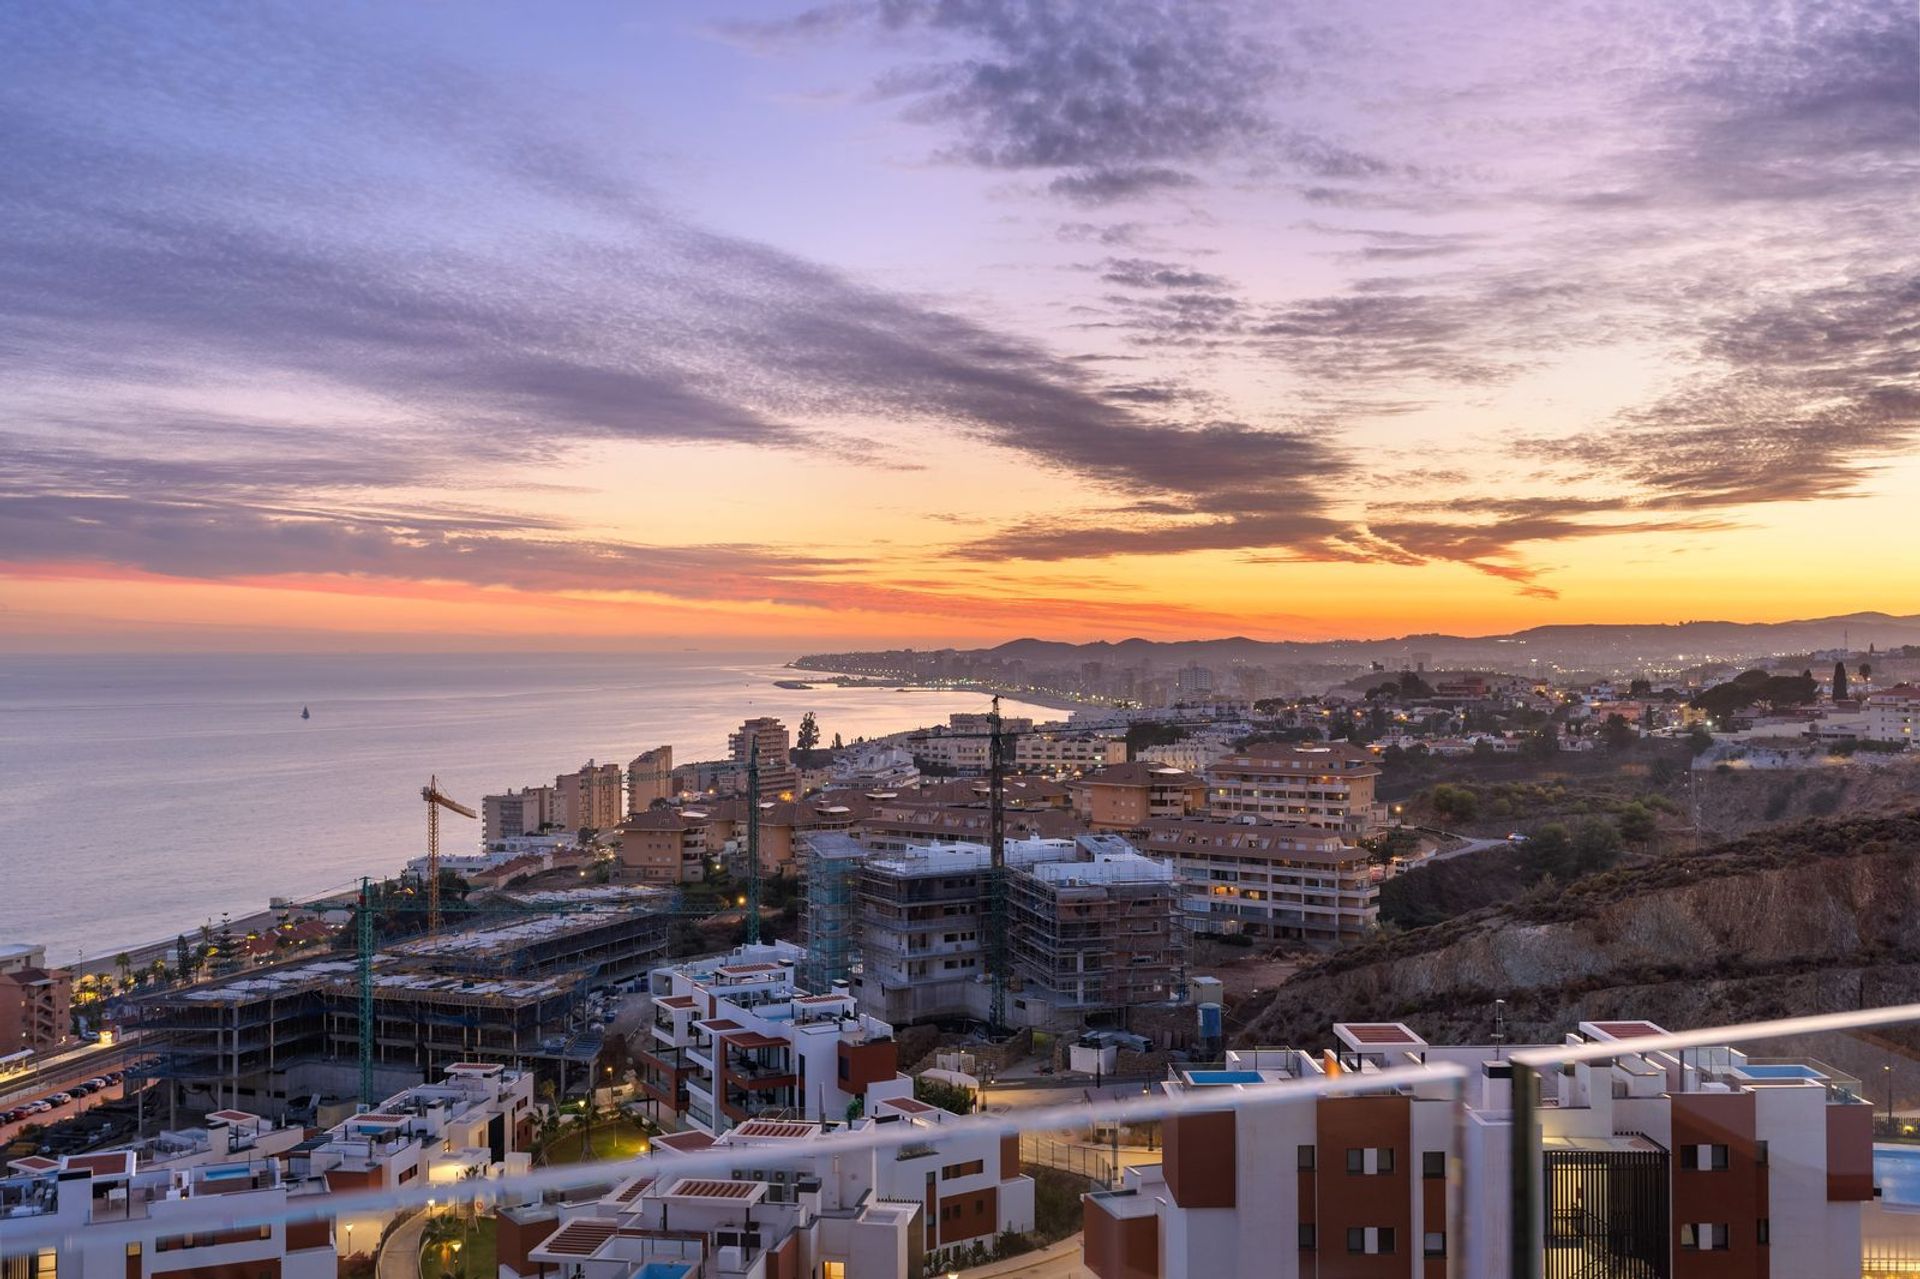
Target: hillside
1809	918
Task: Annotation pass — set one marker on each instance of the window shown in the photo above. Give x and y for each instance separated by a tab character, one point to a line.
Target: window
1386	1240
1763	1232
1386	1159
1356	1160
1760	1153
968	1169
1309	1236
1304	1159
1704	1158
1433	1164
1434	1243
833	1270
1356	1239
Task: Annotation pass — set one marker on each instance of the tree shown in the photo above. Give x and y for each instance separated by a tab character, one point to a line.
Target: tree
1617	733
1543	744
1596	846
809	736
1699	740
183	957
1637	823
1839	681
1866	669
1640	688
836	742
124	963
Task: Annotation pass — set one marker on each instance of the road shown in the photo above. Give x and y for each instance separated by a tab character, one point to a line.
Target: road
1469	846
400	1254
1061	1261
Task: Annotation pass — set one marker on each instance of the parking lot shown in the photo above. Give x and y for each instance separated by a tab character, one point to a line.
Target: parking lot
58	1105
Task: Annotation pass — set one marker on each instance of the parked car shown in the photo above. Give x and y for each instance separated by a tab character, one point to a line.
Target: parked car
60	1099
99	1081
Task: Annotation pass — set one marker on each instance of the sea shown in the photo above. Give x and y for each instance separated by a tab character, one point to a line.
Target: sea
143	796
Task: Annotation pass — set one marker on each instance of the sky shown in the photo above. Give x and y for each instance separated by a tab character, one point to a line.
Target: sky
589	325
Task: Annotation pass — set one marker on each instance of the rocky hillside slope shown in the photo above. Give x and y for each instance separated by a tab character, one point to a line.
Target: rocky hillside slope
1810	918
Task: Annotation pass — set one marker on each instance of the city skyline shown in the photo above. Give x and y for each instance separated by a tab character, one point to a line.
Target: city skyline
819	325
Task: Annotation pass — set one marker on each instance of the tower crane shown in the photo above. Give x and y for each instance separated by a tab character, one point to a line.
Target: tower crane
436	800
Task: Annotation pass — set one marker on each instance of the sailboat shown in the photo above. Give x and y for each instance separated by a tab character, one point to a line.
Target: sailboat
305	713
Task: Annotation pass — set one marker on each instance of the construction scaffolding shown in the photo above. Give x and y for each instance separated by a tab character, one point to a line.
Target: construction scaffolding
830	928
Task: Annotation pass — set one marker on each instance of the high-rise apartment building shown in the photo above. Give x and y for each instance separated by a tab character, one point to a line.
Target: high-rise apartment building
590	799
1326	784
778	778
649	778
514	813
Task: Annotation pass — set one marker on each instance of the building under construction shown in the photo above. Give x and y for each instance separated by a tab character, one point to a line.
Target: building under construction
1091	929
830	927
513	992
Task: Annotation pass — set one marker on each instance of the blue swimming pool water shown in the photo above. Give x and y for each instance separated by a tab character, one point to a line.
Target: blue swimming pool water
1788	1071
1897	1170
1223	1076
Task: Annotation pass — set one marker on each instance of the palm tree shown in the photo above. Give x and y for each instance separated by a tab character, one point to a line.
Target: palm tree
124	963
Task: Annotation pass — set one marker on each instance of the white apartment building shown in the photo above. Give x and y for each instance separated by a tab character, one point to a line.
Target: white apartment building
737	1038
964	745
241	1198
1273	880
516	813
1686	1166
1893	714
781	1207
1066	752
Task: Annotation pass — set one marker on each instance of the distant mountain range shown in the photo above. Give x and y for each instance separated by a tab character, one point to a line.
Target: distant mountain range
1581	646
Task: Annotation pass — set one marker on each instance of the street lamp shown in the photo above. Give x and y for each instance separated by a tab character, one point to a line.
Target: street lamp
1887	1073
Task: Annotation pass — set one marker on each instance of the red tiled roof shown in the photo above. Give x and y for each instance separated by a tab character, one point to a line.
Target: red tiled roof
912	1105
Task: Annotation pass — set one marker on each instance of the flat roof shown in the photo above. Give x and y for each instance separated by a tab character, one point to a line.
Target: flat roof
1621	1029
776	1129
1377	1034
580	1237
684	1142
713	1188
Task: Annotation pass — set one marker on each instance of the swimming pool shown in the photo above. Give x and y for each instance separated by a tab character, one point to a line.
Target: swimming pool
1792	1070
1206	1077
1897	1170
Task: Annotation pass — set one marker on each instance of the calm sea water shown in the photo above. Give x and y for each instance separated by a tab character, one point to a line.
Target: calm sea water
145	795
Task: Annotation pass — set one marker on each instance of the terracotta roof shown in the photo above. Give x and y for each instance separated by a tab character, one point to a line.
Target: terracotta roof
684	1142
580	1237
712	1188
911	1105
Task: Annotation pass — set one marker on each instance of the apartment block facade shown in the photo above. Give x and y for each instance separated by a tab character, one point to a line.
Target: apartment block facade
779	1205
778	778
739	1038
35	1009
649	778
592	798
1893	714
516	813
1127	796
1055	753
1329	784
1271	880
1652	1166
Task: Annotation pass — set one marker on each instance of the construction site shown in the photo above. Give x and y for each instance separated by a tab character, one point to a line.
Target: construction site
512	991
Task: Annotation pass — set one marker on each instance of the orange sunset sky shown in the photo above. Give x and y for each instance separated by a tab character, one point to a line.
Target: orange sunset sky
936	324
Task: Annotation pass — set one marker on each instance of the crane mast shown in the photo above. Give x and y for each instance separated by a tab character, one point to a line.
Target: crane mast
436	800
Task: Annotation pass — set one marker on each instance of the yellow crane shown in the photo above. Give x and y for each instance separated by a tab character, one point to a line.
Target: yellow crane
436	800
